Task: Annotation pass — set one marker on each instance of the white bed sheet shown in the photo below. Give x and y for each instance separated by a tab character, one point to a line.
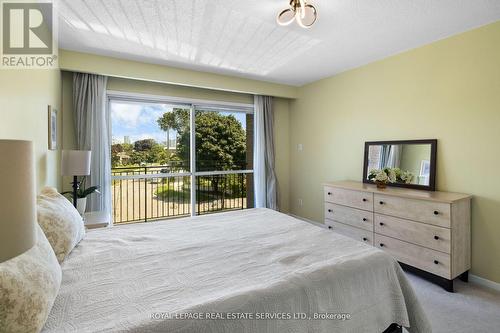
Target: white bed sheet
254	262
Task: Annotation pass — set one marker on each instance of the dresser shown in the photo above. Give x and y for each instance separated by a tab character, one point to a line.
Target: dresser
427	232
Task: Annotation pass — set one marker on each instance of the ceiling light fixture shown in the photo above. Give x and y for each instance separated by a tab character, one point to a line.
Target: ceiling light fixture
300	11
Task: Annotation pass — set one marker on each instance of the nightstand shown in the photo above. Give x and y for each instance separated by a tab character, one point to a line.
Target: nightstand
94	220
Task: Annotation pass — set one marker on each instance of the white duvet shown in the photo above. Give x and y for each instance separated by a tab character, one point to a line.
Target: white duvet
237	268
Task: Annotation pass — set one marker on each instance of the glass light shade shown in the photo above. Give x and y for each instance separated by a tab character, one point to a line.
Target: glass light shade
301	13
306	16
286	17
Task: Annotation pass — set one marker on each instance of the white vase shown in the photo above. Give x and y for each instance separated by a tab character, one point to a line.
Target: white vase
81	205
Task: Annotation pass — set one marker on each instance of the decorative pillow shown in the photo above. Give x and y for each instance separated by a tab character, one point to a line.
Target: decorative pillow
29	284
60	221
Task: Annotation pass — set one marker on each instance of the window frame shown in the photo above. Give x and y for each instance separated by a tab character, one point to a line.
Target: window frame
193	104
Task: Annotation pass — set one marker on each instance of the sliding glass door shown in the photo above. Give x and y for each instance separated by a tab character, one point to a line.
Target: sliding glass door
179	159
224	159
150	179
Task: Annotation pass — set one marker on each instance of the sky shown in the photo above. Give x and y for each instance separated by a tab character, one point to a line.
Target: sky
139	121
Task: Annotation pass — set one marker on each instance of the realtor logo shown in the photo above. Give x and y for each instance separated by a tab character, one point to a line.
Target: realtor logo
28	35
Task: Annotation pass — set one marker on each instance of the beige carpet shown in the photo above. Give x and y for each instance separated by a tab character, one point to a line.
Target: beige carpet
472	308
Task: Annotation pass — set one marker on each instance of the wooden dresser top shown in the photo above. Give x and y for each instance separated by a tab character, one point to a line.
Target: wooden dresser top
448	197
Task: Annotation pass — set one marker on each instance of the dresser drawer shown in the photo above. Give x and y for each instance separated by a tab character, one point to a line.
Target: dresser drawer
426	259
355	217
427	235
429	212
356	199
351	232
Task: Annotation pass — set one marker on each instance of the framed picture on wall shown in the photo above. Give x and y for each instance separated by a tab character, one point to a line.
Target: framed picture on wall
52	128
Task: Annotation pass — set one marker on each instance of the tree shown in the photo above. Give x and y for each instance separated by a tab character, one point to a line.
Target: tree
115	149
144	145
138	157
220	142
157	154
128	148
220	139
177	120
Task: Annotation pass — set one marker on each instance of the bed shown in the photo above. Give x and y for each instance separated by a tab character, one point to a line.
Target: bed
247	271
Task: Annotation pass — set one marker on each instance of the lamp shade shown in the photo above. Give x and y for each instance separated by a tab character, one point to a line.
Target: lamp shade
75	162
17	198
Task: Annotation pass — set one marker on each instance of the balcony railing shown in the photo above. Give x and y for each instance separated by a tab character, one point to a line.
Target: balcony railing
141	194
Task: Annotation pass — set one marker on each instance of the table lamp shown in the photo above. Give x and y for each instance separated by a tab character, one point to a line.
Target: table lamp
75	163
17	198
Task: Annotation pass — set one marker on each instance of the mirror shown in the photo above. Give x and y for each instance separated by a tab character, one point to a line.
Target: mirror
413	162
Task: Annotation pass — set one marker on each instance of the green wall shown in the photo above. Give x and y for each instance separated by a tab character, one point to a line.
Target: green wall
412	157
453	86
24	99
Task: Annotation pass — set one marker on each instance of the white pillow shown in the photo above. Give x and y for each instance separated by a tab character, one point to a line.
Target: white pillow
29	284
60	221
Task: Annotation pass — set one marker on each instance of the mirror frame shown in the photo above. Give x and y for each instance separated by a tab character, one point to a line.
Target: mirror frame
432	175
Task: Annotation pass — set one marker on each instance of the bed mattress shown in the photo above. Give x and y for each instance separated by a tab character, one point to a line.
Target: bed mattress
255	270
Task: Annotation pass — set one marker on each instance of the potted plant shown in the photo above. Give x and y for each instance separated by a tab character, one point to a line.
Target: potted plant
81	194
389	175
382	177
406	177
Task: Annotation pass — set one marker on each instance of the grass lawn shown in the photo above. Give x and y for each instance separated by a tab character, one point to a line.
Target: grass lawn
174	192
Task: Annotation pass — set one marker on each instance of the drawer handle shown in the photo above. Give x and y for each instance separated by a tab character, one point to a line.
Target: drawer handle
365	239
381	223
329	211
436	237
364	200
329	227
381	202
382	245
365	219
436	212
436	262
329	193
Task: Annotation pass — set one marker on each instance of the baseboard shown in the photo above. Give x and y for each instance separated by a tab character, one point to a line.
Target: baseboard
484	282
322	225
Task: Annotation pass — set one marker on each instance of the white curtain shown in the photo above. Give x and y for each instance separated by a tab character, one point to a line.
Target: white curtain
390	156
265	182
394	160
92	127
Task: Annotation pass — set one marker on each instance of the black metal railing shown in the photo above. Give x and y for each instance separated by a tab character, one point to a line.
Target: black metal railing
215	193
146	193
